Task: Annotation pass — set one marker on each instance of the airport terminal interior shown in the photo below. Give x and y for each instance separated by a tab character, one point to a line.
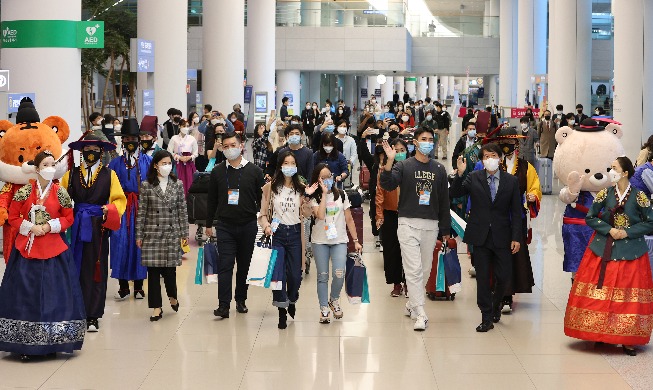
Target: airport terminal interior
556	89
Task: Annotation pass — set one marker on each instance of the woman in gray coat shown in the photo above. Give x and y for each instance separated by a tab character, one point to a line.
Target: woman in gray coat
161	230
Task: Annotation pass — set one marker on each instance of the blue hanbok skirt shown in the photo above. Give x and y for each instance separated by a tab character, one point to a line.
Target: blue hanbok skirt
41	306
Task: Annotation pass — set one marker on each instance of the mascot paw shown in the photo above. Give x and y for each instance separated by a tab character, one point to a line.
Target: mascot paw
575	181
28	168
3	215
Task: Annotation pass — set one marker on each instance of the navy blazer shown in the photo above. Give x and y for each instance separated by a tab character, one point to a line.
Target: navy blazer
503	216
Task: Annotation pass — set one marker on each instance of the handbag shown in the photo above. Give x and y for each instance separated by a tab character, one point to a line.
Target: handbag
278	274
356	280
210	250
198	268
452	271
262	264
440	284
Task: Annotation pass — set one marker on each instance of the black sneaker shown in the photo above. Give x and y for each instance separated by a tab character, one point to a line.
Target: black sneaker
139	294
121	295
241	307
222	311
92	325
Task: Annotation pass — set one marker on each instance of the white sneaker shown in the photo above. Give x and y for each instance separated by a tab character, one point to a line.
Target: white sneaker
335	308
212	279
325	315
409	312
506	309
421	323
472	272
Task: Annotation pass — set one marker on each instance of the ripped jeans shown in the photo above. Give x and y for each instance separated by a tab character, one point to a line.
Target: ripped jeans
338	255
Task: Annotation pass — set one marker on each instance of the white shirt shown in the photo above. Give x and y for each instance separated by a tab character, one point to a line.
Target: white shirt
286	206
187	144
469	142
510	163
243	162
335	213
163	183
94	169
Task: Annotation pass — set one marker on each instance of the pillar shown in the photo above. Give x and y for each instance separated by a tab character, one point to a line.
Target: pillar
223	60
289	81
372	84
508	53
570	49
525	40
630	104
53	74
170	78
362	84
260	46
421	88
491	18
350	91
387	89
490	85
401	86
410	86
311	13
314	79
433	91
444	87
452	86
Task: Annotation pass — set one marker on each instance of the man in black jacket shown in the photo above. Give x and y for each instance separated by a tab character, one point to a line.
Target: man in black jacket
493	228
171	126
234	198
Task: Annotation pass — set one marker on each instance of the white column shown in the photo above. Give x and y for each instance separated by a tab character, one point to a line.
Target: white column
490	85
421	88
410	87
372	84
387	89
260	46
629	39
362	84
452	86
490	18
401	86
289	81
350	91
170	76
570	53
433	91
444	87
648	70
508	53
311	13
525	65
223	60
53	74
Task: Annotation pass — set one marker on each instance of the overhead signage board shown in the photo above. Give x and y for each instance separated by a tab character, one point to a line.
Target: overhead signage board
15	98
142	55
52	33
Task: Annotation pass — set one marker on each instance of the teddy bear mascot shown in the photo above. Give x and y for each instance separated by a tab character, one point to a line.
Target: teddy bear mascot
581	161
19	145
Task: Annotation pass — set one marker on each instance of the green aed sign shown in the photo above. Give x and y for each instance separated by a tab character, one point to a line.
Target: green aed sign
52	33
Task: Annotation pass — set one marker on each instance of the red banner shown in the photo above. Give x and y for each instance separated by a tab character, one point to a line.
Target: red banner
518	112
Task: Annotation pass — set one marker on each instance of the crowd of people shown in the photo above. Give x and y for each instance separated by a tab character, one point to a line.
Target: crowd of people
124	210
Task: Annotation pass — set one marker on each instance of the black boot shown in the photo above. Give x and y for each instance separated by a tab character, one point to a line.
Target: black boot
282	318
291	310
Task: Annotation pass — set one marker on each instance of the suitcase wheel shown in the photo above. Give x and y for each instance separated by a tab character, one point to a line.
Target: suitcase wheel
431	296
453	296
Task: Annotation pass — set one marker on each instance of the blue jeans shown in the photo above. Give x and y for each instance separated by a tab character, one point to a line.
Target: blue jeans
289	237
338	255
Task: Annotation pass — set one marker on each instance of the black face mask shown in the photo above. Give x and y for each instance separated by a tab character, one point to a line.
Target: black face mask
393	133
266	134
91	156
146	144
547	117
508	149
580	111
131	146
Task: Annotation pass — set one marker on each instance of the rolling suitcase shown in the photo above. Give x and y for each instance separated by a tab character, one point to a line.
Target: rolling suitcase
544	168
357	215
364	178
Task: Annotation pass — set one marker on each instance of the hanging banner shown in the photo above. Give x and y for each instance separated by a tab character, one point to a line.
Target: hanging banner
52	33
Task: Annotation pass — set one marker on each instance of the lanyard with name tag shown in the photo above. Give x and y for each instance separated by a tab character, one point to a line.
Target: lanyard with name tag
233	194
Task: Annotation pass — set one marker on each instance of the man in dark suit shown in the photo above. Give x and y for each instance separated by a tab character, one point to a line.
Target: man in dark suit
493	228
580	116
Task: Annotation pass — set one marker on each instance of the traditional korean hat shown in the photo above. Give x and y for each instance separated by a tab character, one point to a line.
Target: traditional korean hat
91	139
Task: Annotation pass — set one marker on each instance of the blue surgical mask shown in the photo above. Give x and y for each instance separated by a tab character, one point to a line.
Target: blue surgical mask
294	139
471	133
401	156
411	148
328	183
425	147
329	128
289	171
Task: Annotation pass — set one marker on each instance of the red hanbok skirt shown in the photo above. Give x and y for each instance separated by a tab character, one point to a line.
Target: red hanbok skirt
619	313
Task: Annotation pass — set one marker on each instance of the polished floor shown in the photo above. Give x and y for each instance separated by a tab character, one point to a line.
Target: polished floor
372	347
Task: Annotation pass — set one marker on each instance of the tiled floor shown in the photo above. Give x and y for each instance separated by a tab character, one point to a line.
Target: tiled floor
372	347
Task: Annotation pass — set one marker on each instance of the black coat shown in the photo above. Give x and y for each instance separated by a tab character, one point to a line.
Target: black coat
503	216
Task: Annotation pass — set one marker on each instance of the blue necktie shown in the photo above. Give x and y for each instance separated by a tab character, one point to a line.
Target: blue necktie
493	188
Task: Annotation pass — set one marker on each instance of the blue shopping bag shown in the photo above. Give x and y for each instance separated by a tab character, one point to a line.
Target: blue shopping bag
356	280
440	284
452	271
271	265
210	257
278	279
198	268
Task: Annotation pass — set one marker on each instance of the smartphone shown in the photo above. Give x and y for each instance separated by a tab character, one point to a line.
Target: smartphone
375	131
389	115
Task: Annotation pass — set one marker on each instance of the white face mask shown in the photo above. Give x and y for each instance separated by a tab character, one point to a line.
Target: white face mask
164	170
614	176
405	118
183	130
491	164
117	127
196	119
328	149
96	127
308	106
108	126
524	126
214	121
342	130
571	123
231	153
47	173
